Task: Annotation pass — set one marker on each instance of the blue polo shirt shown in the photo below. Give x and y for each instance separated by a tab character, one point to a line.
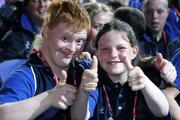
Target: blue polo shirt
176	62
172	25
33	78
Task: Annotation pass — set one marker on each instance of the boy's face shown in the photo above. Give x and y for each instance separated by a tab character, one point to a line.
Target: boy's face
62	44
156	14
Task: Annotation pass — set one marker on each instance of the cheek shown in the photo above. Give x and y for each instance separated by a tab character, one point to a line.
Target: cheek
79	50
102	56
93	33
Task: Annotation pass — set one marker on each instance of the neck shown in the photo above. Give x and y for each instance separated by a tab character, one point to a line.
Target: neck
54	68
121	78
157	35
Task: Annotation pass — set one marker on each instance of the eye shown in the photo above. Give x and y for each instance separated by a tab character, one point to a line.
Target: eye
121	48
79	42
98	27
104	49
160	11
65	39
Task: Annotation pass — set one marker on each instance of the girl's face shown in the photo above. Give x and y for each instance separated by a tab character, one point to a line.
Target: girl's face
97	23
113	46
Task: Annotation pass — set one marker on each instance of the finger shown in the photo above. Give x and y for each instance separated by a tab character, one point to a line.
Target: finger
63	76
136	88
90	85
159	61
159	57
62	102
94	65
127	63
70	88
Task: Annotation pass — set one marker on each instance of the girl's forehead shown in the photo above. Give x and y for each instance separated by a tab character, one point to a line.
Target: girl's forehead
113	36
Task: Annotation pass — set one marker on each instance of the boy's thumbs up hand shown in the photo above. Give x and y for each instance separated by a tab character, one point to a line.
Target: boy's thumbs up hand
62	95
90	77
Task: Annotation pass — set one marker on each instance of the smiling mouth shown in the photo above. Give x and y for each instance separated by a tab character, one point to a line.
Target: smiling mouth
113	62
64	54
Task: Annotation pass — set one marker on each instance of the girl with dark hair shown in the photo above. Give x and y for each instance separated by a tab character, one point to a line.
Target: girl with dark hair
124	91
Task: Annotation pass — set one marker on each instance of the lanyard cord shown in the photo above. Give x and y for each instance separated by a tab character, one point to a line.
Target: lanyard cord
55	78
165	38
110	108
134	105
39	54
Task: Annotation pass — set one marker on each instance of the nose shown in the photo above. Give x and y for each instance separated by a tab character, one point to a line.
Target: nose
154	14
113	53
71	47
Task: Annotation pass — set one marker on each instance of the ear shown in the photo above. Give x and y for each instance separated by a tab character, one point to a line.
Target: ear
135	51
45	31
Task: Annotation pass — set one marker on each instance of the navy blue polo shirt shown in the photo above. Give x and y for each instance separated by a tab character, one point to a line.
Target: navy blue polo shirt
150	46
121	101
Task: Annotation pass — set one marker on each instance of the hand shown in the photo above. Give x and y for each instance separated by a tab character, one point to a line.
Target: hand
90	77
85	56
136	78
166	68
63	95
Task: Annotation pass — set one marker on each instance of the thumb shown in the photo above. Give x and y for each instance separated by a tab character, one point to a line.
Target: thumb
159	61
63	76
94	65
128	64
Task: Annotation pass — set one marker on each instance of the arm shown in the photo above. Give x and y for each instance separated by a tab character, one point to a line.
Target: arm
26	109
172	93
154	98
166	68
88	83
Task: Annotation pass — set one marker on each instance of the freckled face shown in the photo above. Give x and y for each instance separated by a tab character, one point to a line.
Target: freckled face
63	45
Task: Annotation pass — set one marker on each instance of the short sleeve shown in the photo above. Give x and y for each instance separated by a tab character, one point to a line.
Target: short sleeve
93	98
20	85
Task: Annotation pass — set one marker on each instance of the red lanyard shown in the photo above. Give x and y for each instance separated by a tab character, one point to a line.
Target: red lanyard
165	38
39	54
134	105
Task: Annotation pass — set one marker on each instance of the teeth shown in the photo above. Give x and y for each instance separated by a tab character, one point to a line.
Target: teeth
57	53
112	63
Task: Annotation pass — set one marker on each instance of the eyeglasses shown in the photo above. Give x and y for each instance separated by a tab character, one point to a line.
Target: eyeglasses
38	1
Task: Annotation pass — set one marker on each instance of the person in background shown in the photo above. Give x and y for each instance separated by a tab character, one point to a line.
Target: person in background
124	91
114	4
17	42
99	14
173	94
40	88
156	38
173	20
136	4
132	16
